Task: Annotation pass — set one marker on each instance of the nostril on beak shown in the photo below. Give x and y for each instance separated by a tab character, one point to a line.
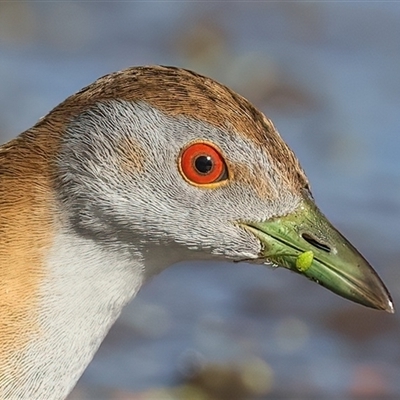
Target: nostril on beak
308	238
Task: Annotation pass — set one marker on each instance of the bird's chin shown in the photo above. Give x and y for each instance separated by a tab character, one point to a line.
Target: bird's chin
305	242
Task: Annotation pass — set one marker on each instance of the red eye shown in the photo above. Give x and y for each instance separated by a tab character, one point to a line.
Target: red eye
202	164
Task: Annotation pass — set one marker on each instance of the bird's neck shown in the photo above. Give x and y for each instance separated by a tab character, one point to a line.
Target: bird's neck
59	293
82	294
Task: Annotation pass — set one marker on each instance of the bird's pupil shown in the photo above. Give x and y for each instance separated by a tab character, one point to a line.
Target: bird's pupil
204	164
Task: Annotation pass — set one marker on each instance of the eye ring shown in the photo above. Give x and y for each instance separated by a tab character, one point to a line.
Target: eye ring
202	164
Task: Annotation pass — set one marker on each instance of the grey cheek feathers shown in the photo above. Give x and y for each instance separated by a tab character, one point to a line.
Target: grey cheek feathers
110	201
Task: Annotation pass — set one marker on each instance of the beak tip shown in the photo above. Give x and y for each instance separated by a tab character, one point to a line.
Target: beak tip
378	296
384	302
390	307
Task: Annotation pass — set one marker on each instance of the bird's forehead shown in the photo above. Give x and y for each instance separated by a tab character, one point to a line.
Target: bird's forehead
179	92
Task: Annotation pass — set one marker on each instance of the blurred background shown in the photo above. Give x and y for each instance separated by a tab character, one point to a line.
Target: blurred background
328	75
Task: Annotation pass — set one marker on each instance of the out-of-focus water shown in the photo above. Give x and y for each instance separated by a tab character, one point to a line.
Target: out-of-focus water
328	75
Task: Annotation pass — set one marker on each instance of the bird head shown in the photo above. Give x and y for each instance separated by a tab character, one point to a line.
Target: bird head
162	158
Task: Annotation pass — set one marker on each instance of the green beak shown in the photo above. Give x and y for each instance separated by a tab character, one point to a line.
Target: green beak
305	242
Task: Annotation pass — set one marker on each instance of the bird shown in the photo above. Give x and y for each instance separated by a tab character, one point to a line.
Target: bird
144	168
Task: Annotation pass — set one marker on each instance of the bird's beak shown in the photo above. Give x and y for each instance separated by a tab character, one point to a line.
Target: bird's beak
305	242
